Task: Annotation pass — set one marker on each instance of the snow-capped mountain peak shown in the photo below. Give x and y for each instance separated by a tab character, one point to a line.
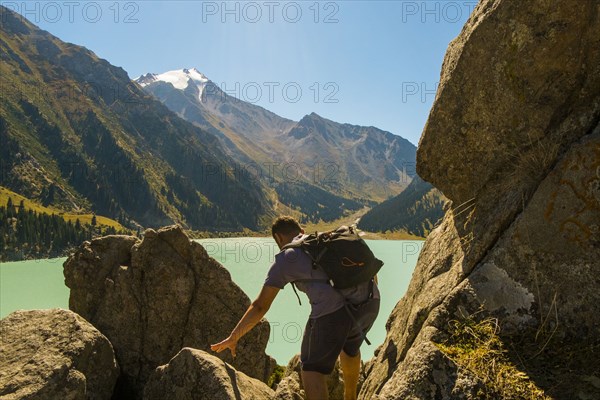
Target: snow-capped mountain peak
180	79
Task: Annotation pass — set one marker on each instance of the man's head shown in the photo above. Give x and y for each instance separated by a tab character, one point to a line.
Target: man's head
284	229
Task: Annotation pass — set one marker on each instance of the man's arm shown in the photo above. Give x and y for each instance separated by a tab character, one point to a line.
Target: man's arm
252	316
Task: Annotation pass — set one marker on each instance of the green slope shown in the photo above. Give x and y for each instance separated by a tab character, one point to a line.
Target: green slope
79	135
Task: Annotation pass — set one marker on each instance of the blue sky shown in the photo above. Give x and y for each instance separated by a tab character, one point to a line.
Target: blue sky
374	63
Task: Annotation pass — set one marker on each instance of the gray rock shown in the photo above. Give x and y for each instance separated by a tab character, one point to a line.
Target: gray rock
54	354
153	297
95	263
513	140
518	86
196	375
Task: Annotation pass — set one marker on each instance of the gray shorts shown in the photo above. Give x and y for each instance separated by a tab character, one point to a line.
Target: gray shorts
326	336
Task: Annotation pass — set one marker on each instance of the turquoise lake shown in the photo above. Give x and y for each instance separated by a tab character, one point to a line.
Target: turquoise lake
40	284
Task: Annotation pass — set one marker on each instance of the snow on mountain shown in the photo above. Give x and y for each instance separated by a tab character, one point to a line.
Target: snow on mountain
180	79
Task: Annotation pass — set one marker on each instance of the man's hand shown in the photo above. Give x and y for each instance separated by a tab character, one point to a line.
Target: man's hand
229	343
251	317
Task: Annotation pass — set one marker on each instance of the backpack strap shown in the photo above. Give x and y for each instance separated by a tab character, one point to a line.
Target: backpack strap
300	244
305	280
364	335
347	302
295	291
319	256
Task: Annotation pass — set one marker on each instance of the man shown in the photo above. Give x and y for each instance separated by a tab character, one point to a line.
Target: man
332	329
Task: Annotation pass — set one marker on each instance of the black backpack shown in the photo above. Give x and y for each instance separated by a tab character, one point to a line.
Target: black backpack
345	258
342	254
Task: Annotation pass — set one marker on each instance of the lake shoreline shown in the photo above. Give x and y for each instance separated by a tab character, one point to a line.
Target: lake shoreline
39	283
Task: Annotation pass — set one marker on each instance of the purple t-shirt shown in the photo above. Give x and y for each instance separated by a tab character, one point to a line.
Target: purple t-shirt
293	264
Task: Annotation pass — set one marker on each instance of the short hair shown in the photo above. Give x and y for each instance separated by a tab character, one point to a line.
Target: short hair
285	225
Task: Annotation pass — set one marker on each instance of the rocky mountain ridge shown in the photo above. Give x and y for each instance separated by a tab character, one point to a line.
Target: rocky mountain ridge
355	163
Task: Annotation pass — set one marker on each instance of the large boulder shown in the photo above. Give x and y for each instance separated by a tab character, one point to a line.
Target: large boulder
153	297
54	354
513	140
196	375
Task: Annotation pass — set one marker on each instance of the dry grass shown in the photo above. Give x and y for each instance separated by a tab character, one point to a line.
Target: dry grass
527	164
476	348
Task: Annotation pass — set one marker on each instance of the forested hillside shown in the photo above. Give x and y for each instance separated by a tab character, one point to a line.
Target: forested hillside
79	135
28	234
